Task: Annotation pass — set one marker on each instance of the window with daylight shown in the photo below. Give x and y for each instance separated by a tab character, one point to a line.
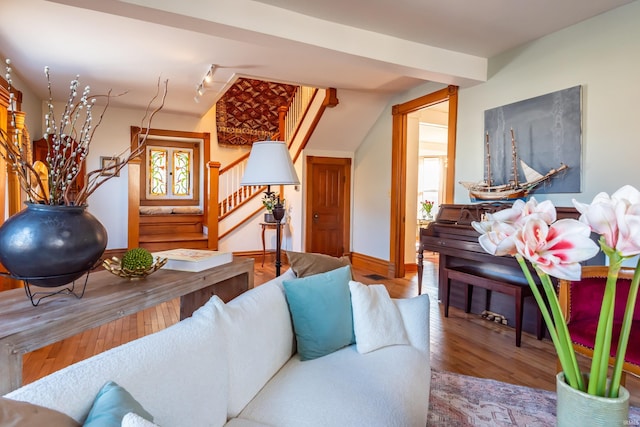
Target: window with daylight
431	176
170	170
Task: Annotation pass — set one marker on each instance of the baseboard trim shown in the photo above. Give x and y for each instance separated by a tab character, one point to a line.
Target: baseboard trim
110	253
367	262
410	268
250	254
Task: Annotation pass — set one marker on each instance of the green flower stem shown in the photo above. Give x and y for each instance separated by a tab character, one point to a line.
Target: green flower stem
624	333
602	347
571	372
561	325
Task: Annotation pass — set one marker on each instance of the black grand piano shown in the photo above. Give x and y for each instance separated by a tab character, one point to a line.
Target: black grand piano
453	237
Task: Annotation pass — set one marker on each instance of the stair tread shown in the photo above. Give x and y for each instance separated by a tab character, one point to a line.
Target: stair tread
172	237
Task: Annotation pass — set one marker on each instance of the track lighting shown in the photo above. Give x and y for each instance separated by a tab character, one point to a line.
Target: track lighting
206	82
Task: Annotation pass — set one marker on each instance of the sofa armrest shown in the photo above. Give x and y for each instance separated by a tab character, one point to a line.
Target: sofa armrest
415	315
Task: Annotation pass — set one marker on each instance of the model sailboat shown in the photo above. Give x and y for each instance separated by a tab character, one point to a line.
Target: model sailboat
488	191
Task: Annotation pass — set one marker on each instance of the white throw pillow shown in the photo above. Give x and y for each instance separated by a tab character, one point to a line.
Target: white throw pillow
259	339
134	420
377	321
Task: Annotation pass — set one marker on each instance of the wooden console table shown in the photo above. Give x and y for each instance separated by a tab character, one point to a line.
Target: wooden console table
24	328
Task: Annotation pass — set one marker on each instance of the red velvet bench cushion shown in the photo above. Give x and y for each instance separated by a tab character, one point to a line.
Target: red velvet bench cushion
585	303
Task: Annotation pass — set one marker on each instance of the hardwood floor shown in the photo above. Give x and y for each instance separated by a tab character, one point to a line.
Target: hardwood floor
462	343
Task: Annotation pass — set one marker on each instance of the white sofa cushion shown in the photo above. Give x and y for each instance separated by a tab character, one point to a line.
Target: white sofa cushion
387	387
259	338
134	420
415	315
377	321
240	422
178	374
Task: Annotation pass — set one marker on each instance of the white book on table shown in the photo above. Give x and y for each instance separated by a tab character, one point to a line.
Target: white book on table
193	259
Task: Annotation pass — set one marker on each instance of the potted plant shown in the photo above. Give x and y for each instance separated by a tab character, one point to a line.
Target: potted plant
426	207
530	232
59	254
269	201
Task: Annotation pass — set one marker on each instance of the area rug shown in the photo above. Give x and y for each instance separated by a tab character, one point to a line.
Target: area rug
459	400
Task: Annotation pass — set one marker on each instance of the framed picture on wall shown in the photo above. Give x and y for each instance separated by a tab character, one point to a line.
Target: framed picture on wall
109	166
547	133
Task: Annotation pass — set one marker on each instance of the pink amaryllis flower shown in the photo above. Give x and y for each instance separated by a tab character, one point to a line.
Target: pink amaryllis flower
615	218
496	237
498	229
544	211
555	249
530	232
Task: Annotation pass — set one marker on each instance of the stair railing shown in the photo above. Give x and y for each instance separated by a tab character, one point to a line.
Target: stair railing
231	195
296	112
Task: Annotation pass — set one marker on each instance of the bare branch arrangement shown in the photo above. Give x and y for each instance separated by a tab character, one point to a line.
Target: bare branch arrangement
69	139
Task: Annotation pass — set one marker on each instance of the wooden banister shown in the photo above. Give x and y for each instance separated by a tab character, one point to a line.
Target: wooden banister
234	163
231	195
330	101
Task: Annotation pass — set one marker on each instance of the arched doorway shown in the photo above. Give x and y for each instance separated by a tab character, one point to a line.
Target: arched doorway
399	167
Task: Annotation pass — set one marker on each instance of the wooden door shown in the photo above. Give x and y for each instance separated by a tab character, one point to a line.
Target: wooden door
42	147
328	205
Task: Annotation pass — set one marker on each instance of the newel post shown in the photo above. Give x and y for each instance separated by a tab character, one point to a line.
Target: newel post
133	232
212	205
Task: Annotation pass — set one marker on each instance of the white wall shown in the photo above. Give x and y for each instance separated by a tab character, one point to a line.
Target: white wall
372	181
602	54
110	202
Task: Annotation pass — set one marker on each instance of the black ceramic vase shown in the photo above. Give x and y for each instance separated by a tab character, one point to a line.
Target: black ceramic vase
51	245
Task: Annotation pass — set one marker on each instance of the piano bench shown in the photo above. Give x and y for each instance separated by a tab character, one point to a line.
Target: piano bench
510	285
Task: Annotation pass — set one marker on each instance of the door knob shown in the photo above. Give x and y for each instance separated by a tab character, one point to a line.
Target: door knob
316	217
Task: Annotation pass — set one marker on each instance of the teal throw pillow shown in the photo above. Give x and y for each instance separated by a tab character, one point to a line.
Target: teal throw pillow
111	405
320	307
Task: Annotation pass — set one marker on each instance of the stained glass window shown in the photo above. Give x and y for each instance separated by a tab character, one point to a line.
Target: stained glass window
158	171
181	172
170	172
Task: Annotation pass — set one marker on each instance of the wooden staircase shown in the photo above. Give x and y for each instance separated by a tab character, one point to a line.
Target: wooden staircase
162	232
225	196
297	123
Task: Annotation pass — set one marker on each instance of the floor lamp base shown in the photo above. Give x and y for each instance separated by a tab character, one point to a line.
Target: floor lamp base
278	214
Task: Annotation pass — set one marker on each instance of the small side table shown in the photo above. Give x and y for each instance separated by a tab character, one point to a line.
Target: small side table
264	226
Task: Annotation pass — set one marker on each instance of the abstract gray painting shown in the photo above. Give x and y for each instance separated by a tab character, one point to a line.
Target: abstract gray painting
548	132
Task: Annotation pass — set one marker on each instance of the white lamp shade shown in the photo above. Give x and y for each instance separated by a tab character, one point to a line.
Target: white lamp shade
269	164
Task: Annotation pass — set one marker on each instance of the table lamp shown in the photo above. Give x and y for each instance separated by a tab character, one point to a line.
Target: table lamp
270	164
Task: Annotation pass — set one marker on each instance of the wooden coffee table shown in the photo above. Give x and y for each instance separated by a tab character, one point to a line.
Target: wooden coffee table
107	297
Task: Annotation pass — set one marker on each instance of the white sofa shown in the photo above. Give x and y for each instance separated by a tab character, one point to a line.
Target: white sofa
236	364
